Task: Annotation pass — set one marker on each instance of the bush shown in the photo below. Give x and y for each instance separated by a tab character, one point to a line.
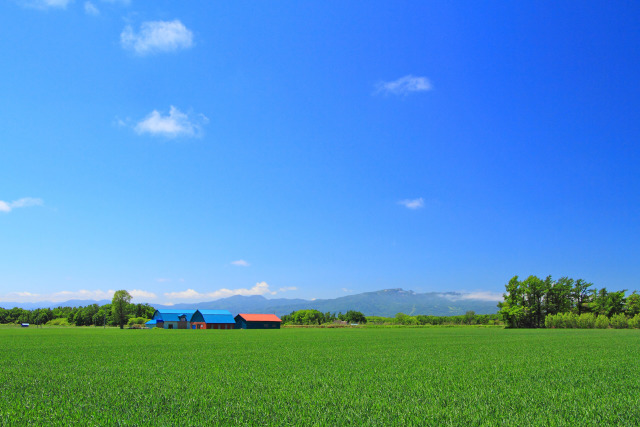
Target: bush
550	321
602	322
634	322
619	321
136	321
561	320
587	321
62	321
570	320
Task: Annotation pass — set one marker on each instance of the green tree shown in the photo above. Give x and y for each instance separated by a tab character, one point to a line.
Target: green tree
633	304
119	305
353	316
608	303
512	308
99	317
558	298
581	296
469	317
535	291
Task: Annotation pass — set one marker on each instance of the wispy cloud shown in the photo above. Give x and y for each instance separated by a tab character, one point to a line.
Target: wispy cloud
157	37
347	290
140	294
45	4
240	263
479	295
57	296
484	296
173	125
412	203
288	288
82	294
20	203
91	9
162	280
261	288
404	86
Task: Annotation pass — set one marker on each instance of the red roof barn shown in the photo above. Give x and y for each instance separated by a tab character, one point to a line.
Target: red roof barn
257	321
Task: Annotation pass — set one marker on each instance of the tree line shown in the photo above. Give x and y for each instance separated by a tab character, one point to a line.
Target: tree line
528	303
469	318
90	315
316	317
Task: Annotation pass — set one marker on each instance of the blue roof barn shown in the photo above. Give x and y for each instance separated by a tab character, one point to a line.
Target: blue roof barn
212	319
173	319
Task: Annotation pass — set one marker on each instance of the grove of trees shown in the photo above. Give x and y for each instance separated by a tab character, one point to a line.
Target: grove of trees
469	318
91	315
527	303
315	317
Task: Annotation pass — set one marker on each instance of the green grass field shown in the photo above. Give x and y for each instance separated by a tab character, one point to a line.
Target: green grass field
421	376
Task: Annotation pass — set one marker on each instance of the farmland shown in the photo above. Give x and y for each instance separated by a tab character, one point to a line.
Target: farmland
426	376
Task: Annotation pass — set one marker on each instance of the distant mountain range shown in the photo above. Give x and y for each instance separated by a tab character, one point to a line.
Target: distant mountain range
386	303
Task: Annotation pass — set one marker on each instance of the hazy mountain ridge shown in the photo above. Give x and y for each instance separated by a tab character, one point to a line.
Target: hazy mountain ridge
386	302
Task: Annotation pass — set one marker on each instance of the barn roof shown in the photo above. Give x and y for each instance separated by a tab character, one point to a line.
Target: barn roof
172	315
217	316
259	317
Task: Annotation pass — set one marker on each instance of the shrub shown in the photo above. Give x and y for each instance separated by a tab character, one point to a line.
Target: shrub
136	321
619	321
570	320
62	321
551	321
587	321
602	322
634	322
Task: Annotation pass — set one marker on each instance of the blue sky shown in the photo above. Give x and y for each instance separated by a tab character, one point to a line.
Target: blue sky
187	151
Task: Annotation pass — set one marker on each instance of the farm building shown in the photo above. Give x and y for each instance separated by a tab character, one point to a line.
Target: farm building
212	319
257	321
173	319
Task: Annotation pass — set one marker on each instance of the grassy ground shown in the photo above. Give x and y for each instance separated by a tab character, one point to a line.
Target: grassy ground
428	376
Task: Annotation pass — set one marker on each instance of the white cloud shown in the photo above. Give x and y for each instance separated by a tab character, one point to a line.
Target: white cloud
82	294
57	296
261	288
479	295
288	288
162	280
240	263
188	294
347	290
412	203
175	124
157	37
404	85
20	203
484	296
140	294
45	4
91	9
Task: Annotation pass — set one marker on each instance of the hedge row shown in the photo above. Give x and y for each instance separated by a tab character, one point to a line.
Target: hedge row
590	321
